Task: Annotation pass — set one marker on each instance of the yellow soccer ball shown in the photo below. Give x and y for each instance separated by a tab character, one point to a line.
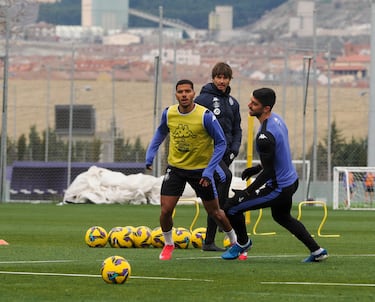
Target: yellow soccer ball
181	237
157	237
96	236
197	237
142	236
226	242
121	237
115	270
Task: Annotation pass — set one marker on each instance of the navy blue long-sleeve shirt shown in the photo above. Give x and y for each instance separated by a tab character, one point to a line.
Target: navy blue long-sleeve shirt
227	111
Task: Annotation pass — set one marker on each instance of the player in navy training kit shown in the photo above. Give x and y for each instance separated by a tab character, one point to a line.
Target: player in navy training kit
275	184
216	97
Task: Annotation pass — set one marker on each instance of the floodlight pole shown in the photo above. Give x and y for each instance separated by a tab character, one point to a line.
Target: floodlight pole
329	112
285	81
4	132
70	134
305	88
156	66
371	114
174	65
113	119
48	97
159	83
315	114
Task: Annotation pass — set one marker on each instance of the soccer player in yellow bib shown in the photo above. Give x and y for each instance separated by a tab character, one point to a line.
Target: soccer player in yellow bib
197	145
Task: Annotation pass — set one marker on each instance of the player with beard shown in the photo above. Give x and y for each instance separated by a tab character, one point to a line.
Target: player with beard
275	184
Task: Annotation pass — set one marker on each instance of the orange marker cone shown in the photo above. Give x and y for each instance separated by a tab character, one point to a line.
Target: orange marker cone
3	242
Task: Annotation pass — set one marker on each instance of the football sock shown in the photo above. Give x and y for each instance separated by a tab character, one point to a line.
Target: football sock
168	238
317	252
243	245
232	236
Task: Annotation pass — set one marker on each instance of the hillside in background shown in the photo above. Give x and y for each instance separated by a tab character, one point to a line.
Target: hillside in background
68	12
196	12
344	15
269	19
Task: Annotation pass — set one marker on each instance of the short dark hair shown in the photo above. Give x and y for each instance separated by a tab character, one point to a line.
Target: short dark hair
185	81
266	96
222	68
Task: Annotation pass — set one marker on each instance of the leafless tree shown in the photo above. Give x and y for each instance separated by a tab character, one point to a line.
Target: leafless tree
16	14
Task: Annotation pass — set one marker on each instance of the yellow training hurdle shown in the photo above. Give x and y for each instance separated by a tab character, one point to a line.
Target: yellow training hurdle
323	204
256	225
248	220
247	216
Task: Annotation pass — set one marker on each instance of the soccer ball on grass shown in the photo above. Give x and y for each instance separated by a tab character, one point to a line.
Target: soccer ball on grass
115	270
226	242
181	237
142	236
96	236
121	237
197	237
157	237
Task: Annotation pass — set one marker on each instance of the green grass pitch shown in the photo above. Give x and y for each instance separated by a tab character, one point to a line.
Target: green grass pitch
48	260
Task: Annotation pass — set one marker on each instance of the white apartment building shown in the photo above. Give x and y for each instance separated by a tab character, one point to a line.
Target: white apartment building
110	15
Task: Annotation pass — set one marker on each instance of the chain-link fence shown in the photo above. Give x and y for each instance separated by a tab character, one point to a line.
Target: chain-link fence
70	106
46	151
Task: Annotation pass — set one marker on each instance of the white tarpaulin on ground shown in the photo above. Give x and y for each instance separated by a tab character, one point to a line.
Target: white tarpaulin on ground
103	186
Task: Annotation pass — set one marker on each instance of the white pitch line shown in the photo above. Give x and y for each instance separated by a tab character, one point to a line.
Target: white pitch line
175	279
36	261
321	283
96	276
183	258
48	274
293	256
250	256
